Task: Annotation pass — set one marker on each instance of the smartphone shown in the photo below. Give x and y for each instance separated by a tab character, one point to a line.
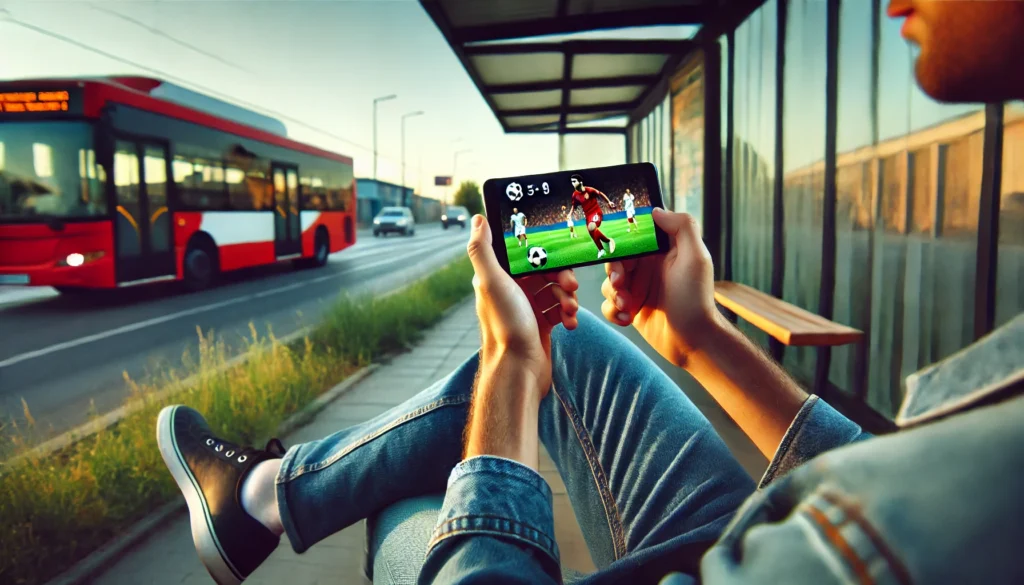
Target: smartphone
543	223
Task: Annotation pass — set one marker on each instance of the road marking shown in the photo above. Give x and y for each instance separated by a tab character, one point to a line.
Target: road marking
196	310
358	251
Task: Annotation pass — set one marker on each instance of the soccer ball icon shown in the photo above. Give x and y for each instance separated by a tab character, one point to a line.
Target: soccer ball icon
514	191
537	256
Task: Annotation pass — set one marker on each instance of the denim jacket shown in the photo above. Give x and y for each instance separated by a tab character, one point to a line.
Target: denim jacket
939	501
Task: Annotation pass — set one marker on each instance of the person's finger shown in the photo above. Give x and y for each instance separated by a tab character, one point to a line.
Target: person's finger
682	228
607	290
619	272
567	301
614	315
485	264
565	279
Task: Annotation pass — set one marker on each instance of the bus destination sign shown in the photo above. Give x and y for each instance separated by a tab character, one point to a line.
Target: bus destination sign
36	102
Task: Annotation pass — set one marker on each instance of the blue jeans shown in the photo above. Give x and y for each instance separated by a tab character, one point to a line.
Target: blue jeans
645	471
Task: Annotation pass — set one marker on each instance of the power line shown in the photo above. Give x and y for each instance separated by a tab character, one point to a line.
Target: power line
173	39
177	79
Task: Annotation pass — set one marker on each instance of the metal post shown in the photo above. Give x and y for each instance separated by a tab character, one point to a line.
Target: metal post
404	117
375	100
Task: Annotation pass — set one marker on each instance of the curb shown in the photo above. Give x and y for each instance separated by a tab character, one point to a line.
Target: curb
101	559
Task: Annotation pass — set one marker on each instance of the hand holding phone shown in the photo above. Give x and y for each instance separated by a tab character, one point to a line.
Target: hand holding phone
555	221
670	299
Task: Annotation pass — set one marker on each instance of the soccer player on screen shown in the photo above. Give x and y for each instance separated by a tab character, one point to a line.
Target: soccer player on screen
587	198
627	204
519	226
568	222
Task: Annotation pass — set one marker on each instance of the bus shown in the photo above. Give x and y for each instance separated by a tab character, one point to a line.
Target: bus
122	181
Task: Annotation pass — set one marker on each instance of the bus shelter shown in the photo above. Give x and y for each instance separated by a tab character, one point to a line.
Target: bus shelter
827	184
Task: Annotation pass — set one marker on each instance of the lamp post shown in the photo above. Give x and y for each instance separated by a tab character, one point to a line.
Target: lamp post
404	117
455	166
375	100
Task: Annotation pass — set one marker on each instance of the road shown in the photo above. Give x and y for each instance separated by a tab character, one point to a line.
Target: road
67	358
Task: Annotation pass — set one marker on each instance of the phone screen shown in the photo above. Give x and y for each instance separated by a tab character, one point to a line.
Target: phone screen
565	219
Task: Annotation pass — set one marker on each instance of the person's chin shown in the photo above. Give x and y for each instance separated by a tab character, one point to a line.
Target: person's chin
942	85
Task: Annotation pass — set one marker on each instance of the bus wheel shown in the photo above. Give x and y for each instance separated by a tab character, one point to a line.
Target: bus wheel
200	267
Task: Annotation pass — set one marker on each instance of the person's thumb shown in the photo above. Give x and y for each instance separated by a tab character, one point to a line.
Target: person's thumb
683	228
481	254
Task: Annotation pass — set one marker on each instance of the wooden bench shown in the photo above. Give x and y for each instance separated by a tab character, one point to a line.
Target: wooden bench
787	323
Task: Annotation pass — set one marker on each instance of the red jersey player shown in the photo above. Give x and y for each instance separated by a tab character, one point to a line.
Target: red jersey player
587	198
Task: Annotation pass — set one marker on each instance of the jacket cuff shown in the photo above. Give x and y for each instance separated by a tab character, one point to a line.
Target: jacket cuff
817	428
501	498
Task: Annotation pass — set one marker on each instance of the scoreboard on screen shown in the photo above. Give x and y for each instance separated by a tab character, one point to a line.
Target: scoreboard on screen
15	104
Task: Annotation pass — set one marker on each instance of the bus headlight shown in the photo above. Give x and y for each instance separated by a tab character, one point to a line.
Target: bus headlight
462	218
376	221
76	259
400	222
444	218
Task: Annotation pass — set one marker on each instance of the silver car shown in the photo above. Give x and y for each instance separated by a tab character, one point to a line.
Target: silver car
394	219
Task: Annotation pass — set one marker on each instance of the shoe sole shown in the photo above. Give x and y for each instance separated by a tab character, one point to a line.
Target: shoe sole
207	544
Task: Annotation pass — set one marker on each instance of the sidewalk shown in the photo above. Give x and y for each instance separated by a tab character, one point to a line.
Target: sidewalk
168	556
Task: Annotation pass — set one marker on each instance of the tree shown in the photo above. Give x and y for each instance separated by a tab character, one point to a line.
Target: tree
469	197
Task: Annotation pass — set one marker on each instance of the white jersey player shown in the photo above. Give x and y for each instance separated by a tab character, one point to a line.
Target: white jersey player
628	201
569	224
519	226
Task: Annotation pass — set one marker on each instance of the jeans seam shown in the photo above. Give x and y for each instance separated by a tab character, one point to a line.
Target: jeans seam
446	530
611	509
446	401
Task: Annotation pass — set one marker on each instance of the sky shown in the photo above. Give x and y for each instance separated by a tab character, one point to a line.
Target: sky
318	62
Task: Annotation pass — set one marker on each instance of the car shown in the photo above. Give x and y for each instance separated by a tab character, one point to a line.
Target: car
394	219
454	215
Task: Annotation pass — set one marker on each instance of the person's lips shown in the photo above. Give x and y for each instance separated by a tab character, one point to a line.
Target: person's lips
903	9
900	8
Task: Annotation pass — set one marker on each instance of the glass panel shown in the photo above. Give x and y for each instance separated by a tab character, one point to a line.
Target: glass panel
293	204
280	206
855	193
754	154
129	211
155	161
687	87
1010	267
804	143
49	169
201	181
923	255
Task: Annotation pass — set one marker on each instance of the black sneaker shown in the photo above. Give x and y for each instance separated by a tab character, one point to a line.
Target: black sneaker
210	471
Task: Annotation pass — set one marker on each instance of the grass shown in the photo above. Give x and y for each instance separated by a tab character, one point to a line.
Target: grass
565	251
56	510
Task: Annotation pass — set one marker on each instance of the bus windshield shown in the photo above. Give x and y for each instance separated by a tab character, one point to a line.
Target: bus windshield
48	169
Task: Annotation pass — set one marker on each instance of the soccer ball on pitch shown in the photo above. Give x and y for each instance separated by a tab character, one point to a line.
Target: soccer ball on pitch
514	191
537	256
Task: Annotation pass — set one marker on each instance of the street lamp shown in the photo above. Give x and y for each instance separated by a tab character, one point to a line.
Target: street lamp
455	165
375	100
404	117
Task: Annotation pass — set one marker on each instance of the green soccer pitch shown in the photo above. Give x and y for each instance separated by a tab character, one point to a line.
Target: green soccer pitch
565	251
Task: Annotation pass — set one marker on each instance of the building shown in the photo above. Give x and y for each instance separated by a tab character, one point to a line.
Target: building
372	196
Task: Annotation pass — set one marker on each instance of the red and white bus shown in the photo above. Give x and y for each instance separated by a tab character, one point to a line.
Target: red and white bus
116	182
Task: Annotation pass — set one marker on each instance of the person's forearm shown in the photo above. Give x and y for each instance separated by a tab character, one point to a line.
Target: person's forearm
749	385
503	416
